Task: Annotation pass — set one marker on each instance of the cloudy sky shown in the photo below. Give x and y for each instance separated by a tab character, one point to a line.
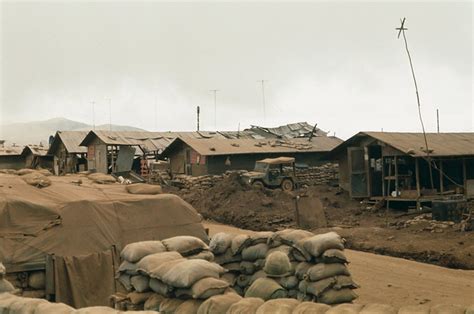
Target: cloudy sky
338	64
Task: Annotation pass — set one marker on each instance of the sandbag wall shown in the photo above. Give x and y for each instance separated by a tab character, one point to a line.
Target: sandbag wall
174	275
286	264
318	175
30	284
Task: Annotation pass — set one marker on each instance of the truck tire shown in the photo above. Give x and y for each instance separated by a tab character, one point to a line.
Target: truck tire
287	185
258	185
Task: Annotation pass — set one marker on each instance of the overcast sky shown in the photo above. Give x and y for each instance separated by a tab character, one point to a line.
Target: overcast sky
337	64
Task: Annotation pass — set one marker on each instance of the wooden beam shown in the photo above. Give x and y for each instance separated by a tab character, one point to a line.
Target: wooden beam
417	174
464	175
395	160
383	176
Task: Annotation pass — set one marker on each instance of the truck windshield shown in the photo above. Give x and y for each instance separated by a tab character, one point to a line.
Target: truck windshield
261	167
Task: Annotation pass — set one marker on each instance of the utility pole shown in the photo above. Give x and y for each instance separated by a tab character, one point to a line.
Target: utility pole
198	112
215	107
93	114
401	30
437	119
263	99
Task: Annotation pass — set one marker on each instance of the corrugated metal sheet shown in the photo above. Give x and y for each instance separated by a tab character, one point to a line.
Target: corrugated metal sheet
292	130
214	147
71	140
441	144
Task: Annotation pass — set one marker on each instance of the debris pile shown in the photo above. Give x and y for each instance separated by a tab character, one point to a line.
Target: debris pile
433	226
285	264
28	284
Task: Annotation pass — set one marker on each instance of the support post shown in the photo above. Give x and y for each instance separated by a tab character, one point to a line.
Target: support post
464	175
418	190
441	187
383	177
396	175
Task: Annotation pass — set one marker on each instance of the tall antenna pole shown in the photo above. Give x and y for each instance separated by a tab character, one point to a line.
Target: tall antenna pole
198	112
401	30
215	107
93	114
437	119
263	100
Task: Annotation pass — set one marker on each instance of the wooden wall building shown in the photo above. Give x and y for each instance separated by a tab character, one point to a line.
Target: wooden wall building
68	155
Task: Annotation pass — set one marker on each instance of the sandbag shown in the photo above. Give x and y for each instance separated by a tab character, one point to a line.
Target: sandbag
140	283
258	274
219	304
24	305
299	254
321	271
232	267
160	287
230	278
303	297
247	268
288	282
205	255
470	309
277	264
317	244
375	308
281	248
24	171
170	305
245	306
332	296
6	286
128	268
261	237
138	297
208	287
143	188
153	302
260	263
185	274
278	306
239	242
294	236
101	178
344	281
243	280
36	179
124	279
56	308
332	256
301	269
311	308
447	309
96	310
159	271
227	257
275	239
185	245
37	294
254	252
266	289
345	309
37	280
318	287
150	262
134	252
414	309
188	306
220	242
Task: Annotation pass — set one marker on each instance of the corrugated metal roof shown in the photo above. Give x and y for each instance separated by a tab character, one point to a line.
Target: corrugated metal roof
413	144
71	140
214	147
292	130
440	144
11	150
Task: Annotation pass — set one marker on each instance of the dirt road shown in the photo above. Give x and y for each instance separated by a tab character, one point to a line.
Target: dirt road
397	281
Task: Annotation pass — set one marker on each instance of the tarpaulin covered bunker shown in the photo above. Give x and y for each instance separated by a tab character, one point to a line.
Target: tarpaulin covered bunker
75	232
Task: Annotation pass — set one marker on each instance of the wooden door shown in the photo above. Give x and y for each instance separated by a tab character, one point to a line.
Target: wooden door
358	168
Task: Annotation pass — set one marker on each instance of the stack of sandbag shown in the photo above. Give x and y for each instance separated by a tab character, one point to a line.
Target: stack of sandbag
307	267
165	275
324	275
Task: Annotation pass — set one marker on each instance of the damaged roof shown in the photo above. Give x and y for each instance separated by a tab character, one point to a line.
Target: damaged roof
292	130
36	150
215	147
154	141
413	144
11	150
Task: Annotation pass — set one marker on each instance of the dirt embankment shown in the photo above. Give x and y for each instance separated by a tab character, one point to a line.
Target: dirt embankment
367	229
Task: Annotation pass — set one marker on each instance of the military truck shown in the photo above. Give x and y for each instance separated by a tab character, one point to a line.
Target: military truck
273	173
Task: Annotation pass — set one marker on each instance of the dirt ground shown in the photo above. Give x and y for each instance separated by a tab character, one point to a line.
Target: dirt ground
392	232
397	281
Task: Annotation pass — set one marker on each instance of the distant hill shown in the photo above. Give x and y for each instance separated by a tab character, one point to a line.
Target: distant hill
39	131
